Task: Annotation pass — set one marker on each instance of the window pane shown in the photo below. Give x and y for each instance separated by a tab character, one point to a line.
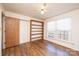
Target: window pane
64	24
59	29
51	28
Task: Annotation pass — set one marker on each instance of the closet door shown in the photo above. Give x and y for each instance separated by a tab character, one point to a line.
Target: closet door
11	32
36	30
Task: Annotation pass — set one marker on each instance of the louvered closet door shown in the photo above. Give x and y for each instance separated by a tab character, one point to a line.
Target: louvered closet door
36	30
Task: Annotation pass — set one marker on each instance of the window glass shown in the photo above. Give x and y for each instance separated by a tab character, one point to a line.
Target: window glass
59	29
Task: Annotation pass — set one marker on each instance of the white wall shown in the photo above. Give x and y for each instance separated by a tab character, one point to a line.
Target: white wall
0	29
74	43
24	26
23	32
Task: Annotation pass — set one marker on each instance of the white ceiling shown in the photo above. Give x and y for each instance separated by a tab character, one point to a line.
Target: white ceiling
33	9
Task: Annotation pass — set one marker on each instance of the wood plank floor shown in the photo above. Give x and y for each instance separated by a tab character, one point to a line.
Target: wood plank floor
38	48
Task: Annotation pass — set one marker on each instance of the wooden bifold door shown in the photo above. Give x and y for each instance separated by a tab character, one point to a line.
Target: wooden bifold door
36	30
11	32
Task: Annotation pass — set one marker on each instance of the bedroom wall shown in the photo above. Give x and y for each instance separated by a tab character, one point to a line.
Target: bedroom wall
1	28
24	26
74	16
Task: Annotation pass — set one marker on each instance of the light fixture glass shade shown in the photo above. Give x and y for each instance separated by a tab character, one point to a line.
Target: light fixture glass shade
42	12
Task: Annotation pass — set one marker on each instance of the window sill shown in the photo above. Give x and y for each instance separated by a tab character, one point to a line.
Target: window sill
61	40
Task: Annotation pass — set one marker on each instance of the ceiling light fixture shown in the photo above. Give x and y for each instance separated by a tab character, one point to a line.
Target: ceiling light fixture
43	8
42	11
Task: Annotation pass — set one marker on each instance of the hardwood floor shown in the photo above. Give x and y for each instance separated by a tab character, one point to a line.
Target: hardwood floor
39	48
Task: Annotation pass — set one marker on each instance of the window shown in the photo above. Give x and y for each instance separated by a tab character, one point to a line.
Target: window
59	29
64	24
51	28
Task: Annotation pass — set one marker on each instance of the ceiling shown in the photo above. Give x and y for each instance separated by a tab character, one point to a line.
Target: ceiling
33	9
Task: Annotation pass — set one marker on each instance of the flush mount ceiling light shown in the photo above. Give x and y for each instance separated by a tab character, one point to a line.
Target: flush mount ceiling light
42	11
43	8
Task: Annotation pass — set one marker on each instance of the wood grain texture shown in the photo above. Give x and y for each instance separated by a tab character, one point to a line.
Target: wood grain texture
39	48
11	32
